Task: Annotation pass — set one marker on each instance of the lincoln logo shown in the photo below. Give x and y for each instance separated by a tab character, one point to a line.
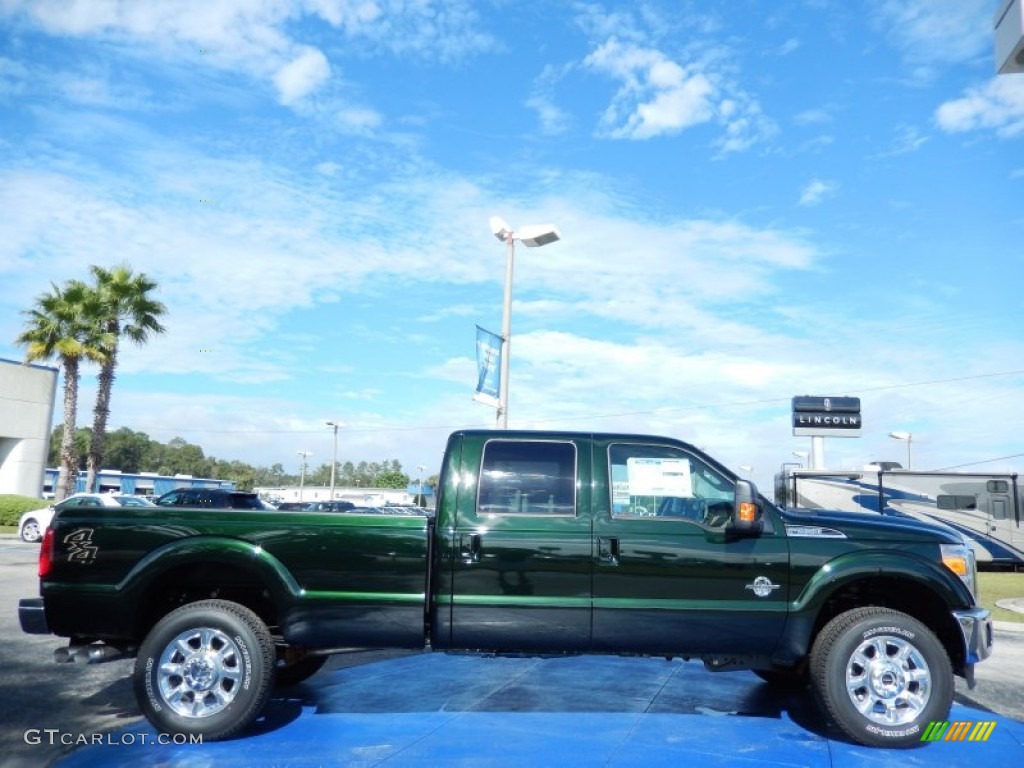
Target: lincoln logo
828	404
825	420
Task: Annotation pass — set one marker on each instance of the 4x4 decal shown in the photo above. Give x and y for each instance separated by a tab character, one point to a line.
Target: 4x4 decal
80	547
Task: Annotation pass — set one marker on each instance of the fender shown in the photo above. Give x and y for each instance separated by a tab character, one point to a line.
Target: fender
849	568
210	549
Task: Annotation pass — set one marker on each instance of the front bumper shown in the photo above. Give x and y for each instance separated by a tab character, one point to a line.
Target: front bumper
32	616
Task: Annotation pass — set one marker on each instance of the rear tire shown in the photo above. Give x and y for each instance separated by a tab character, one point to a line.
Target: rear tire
31	532
881	676
206	668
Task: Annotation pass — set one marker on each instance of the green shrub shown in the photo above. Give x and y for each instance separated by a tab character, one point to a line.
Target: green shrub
12	507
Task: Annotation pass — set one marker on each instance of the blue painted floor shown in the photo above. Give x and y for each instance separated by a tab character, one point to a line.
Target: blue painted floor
455	710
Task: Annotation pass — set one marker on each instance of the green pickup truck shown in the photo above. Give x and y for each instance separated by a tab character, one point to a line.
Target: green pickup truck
542	542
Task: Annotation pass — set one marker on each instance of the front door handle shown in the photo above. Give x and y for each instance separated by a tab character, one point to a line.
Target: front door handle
469	547
607	550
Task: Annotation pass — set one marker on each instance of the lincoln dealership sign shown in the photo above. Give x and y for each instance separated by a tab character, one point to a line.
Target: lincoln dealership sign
826	416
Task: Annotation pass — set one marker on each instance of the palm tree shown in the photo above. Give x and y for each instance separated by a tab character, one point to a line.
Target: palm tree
64	326
128	311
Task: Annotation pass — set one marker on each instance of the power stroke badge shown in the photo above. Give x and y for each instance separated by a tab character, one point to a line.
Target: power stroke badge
762	586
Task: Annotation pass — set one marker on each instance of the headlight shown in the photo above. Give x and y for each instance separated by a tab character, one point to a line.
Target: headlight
959	558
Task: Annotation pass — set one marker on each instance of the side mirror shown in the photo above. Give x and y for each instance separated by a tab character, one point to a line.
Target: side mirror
746	513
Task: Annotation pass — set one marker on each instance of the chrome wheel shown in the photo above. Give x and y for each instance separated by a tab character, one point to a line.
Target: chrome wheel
200	672
31	532
888	680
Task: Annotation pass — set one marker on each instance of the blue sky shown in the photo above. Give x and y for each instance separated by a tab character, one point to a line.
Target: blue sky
756	199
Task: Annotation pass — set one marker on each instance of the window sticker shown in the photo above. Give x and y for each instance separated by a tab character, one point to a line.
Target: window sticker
659	477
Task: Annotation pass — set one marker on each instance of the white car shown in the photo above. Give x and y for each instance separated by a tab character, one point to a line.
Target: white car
33	523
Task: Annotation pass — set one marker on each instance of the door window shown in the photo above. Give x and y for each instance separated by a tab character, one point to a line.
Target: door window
665	482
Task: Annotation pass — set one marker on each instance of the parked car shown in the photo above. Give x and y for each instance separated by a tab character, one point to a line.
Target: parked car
34	522
327	506
215	498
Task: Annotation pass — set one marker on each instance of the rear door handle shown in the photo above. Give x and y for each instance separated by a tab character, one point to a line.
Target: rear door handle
607	550
469	547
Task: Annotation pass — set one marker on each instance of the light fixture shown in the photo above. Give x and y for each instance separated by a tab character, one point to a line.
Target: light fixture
532	236
910	439
334	455
302	471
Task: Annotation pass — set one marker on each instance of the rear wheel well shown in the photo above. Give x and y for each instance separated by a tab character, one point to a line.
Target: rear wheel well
205	581
900	594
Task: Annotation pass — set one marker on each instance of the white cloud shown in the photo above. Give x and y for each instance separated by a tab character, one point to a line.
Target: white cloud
327	168
353	15
660	97
908	139
303	74
938	30
553	119
815	116
431	29
998	105
14	76
235	28
788	47
359	120
657	95
261	38
816	191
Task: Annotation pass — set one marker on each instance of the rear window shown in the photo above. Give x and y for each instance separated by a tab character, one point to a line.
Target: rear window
132	501
245	501
525	477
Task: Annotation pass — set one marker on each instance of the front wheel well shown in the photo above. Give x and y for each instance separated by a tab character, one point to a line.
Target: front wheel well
900	594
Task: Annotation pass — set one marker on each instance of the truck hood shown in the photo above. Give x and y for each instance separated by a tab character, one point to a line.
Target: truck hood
867	526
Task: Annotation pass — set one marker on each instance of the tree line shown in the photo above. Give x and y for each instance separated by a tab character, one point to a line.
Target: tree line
76	323
131	451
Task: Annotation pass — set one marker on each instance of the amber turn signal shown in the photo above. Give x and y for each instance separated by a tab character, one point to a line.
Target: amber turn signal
748	511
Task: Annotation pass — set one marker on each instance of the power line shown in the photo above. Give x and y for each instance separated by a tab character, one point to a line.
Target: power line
976	463
736	404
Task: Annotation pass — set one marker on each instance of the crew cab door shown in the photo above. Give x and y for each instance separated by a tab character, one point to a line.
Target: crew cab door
667	576
521	548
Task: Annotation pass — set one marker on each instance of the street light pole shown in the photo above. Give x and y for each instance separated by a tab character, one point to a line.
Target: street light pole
334	455
532	237
910	439
302	471
506	331
419	485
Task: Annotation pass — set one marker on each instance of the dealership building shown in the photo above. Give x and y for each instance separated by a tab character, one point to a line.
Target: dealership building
27	394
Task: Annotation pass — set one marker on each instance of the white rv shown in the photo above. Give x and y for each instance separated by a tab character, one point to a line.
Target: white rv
987	508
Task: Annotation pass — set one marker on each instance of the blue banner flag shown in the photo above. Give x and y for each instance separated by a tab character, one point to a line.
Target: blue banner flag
488	365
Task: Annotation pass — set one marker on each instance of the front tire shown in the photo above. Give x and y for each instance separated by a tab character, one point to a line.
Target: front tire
881	676
206	668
